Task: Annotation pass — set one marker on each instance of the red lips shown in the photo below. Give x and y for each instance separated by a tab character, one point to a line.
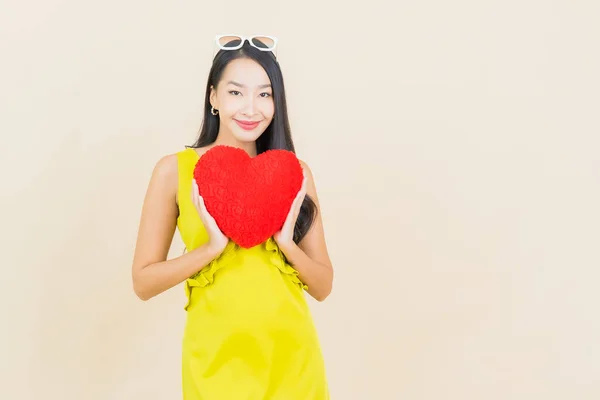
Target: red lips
247	125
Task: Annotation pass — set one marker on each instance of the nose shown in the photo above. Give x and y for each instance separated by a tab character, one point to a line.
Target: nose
249	106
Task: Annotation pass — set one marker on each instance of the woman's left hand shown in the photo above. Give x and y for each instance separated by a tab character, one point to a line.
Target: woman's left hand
285	237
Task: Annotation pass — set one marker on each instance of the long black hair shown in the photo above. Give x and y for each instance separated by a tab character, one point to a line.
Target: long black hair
278	134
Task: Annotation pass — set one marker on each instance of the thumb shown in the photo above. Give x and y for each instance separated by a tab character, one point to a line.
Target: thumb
202	206
298	206
207	216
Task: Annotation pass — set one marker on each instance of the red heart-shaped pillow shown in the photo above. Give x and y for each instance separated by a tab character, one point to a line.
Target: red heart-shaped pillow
249	197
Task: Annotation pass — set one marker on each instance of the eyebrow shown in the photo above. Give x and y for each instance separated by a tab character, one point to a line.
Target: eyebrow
243	86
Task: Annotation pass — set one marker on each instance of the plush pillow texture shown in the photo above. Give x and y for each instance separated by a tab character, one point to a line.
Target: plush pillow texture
249	197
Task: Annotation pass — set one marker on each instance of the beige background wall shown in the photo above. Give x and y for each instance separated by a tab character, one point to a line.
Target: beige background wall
455	148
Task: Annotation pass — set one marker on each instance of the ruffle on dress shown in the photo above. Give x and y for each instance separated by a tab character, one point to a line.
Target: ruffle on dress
206	275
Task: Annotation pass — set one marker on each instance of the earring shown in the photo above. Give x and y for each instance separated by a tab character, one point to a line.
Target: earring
213	111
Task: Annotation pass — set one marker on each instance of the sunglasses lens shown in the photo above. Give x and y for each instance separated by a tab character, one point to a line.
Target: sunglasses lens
230	41
263	42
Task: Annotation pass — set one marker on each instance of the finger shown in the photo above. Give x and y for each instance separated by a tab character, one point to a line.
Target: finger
286	225
194	191
303	187
289	216
302	193
207	216
199	207
297	207
202	206
299	198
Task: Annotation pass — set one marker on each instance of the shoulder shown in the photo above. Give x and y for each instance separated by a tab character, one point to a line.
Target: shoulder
306	168
166	166
311	189
165	176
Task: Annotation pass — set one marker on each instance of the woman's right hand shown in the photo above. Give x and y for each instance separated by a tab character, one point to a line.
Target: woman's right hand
217	240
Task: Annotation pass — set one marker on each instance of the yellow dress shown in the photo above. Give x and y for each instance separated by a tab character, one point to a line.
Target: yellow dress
249	334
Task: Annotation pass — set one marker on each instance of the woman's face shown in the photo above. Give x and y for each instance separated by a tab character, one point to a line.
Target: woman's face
244	99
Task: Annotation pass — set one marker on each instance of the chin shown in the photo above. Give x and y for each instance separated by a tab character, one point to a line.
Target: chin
246	137
242	135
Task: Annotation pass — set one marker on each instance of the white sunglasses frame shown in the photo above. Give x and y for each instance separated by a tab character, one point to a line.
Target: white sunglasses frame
249	39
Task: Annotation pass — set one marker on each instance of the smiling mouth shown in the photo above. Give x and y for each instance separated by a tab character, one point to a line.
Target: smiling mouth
248	125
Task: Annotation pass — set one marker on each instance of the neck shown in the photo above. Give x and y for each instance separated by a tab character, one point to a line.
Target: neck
230	140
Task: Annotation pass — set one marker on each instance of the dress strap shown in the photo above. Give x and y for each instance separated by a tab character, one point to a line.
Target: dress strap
186	161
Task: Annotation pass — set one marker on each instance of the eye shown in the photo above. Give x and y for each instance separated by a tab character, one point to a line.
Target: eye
234	92
266	94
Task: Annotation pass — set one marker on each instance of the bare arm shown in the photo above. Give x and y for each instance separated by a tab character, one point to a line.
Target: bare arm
310	257
152	274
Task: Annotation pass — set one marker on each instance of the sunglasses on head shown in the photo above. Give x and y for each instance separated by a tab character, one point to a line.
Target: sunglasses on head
234	42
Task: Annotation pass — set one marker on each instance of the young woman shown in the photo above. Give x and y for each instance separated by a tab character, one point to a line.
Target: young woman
249	333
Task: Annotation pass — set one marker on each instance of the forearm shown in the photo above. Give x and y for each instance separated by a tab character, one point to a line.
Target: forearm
317	276
159	277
